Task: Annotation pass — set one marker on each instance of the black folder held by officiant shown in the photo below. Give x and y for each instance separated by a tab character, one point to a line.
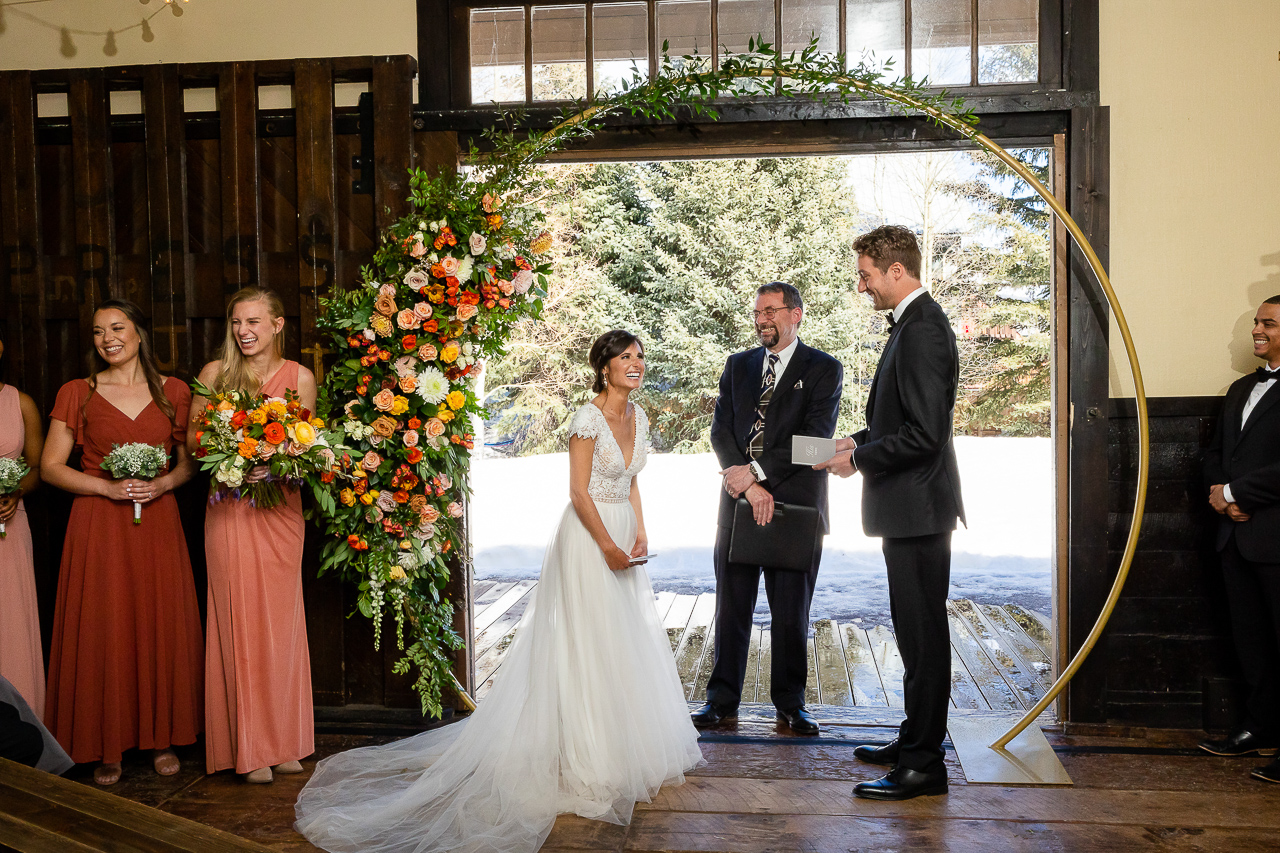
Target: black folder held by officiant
786	542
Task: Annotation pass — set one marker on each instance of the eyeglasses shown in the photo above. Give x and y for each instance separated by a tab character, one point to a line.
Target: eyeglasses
768	313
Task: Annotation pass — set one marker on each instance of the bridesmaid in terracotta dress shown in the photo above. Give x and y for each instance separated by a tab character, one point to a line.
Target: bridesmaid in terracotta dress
126	665
21	659
258	711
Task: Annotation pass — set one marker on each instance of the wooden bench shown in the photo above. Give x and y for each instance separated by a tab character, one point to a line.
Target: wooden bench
41	813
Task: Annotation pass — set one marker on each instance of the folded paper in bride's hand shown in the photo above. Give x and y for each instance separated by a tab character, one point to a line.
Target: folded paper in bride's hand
811	450
786	542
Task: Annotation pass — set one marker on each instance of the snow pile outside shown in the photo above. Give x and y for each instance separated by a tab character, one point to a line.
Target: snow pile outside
1002	558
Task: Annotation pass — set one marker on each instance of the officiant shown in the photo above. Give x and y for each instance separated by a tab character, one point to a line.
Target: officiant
767	395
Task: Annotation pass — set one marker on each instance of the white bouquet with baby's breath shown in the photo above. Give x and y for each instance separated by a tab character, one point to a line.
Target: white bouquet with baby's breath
137	461
11	473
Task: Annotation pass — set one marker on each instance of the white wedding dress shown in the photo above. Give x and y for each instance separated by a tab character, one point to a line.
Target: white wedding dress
586	715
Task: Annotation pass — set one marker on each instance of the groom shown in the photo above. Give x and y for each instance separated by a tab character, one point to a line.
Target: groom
768	394
911	498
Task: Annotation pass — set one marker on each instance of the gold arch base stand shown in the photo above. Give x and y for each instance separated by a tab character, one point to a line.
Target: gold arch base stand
1028	759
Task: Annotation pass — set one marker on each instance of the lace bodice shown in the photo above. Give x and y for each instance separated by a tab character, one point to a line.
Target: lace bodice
610	475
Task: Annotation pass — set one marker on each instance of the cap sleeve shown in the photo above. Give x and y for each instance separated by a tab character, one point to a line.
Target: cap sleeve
585	423
69	407
180	395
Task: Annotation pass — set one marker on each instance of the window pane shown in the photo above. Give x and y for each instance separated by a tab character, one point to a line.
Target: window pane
686	27
877	33
559	52
621	32
941	34
497	55
1008	41
804	19
741	20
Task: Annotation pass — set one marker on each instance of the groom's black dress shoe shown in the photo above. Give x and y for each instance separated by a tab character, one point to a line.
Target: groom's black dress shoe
903	783
886	755
1240	742
799	720
1270	773
710	714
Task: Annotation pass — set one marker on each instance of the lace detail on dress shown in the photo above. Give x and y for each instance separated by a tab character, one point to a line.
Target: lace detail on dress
610	475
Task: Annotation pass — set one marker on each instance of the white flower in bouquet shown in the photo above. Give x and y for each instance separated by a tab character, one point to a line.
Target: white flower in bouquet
230	474
137	461
408	560
11	473
465	268
478	243
432	386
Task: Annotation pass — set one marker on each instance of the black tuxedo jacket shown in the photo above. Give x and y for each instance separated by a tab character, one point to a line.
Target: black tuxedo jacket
805	401
911	482
1248	459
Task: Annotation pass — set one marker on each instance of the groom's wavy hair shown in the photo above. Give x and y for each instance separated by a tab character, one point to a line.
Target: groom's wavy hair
889	245
607	347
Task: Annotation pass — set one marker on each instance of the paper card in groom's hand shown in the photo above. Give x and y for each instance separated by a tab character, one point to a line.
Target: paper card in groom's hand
786	542
811	450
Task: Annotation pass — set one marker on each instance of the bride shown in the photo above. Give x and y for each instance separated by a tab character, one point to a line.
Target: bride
587	715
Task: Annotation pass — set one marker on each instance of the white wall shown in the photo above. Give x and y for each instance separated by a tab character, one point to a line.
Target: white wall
207	31
1194	92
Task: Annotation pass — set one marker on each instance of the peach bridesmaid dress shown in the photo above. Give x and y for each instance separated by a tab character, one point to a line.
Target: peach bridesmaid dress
258	710
21	660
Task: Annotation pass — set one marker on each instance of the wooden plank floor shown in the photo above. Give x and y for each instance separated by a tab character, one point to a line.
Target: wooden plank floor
1000	654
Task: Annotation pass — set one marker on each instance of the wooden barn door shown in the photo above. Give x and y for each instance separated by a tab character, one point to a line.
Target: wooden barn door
186	192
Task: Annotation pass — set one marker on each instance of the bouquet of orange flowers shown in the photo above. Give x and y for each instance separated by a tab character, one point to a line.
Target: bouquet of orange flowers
238	431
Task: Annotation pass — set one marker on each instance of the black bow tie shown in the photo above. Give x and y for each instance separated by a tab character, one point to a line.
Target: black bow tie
1262	374
893	322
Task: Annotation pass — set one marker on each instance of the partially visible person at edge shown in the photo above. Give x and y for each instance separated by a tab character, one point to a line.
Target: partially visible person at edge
125	668
21	658
1242	479
258	712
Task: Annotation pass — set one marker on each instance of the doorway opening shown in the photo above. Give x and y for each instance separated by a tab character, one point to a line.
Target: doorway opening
674	250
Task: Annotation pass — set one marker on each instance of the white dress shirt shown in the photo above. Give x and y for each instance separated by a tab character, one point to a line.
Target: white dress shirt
1259	388
784	358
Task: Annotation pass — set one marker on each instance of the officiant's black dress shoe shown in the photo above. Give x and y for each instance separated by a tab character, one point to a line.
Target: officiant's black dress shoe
1240	742
886	755
711	714
799	720
902	783
1270	773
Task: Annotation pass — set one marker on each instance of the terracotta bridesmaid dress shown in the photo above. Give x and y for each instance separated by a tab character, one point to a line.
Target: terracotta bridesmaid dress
258	710
126	666
21	660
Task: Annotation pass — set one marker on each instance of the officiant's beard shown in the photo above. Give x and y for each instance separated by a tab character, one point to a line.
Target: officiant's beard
768	335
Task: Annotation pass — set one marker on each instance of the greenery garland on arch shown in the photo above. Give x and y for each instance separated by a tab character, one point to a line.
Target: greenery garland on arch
446	285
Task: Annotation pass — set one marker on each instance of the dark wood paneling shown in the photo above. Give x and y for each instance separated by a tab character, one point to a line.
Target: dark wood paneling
238	146
91	177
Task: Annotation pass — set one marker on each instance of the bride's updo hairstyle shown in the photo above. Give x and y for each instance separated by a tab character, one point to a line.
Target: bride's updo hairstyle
607	347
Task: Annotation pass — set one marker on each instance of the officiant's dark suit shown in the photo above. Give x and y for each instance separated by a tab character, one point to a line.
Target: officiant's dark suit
1242	476
910	498
805	401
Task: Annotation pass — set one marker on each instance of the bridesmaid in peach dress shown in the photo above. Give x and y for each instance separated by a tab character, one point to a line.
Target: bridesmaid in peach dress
258	711
125	666
21	660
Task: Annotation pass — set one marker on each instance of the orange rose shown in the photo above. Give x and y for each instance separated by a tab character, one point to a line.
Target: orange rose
415	456
408	383
274	432
401	497
384	400
466	312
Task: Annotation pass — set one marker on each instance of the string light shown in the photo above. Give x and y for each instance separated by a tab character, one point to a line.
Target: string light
67	46
110	47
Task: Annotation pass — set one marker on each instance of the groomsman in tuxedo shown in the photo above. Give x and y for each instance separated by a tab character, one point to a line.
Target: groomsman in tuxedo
768	394
1242	473
910	498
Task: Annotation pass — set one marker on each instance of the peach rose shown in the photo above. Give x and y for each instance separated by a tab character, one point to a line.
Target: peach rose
408	383
455	510
371	461
388	290
423	310
466	312
296	449
435	427
427	352
384	426
411	438
404	365
384	399
266	450
385	305
450	265
418	249
416	278
407	319
430	514
506	287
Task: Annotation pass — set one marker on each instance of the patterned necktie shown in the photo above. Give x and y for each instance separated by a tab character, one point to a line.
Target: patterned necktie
756	444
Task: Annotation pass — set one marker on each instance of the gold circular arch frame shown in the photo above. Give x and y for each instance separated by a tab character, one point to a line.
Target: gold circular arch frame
1144	436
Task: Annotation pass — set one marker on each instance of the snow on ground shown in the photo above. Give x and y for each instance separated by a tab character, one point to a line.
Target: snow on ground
1003	557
